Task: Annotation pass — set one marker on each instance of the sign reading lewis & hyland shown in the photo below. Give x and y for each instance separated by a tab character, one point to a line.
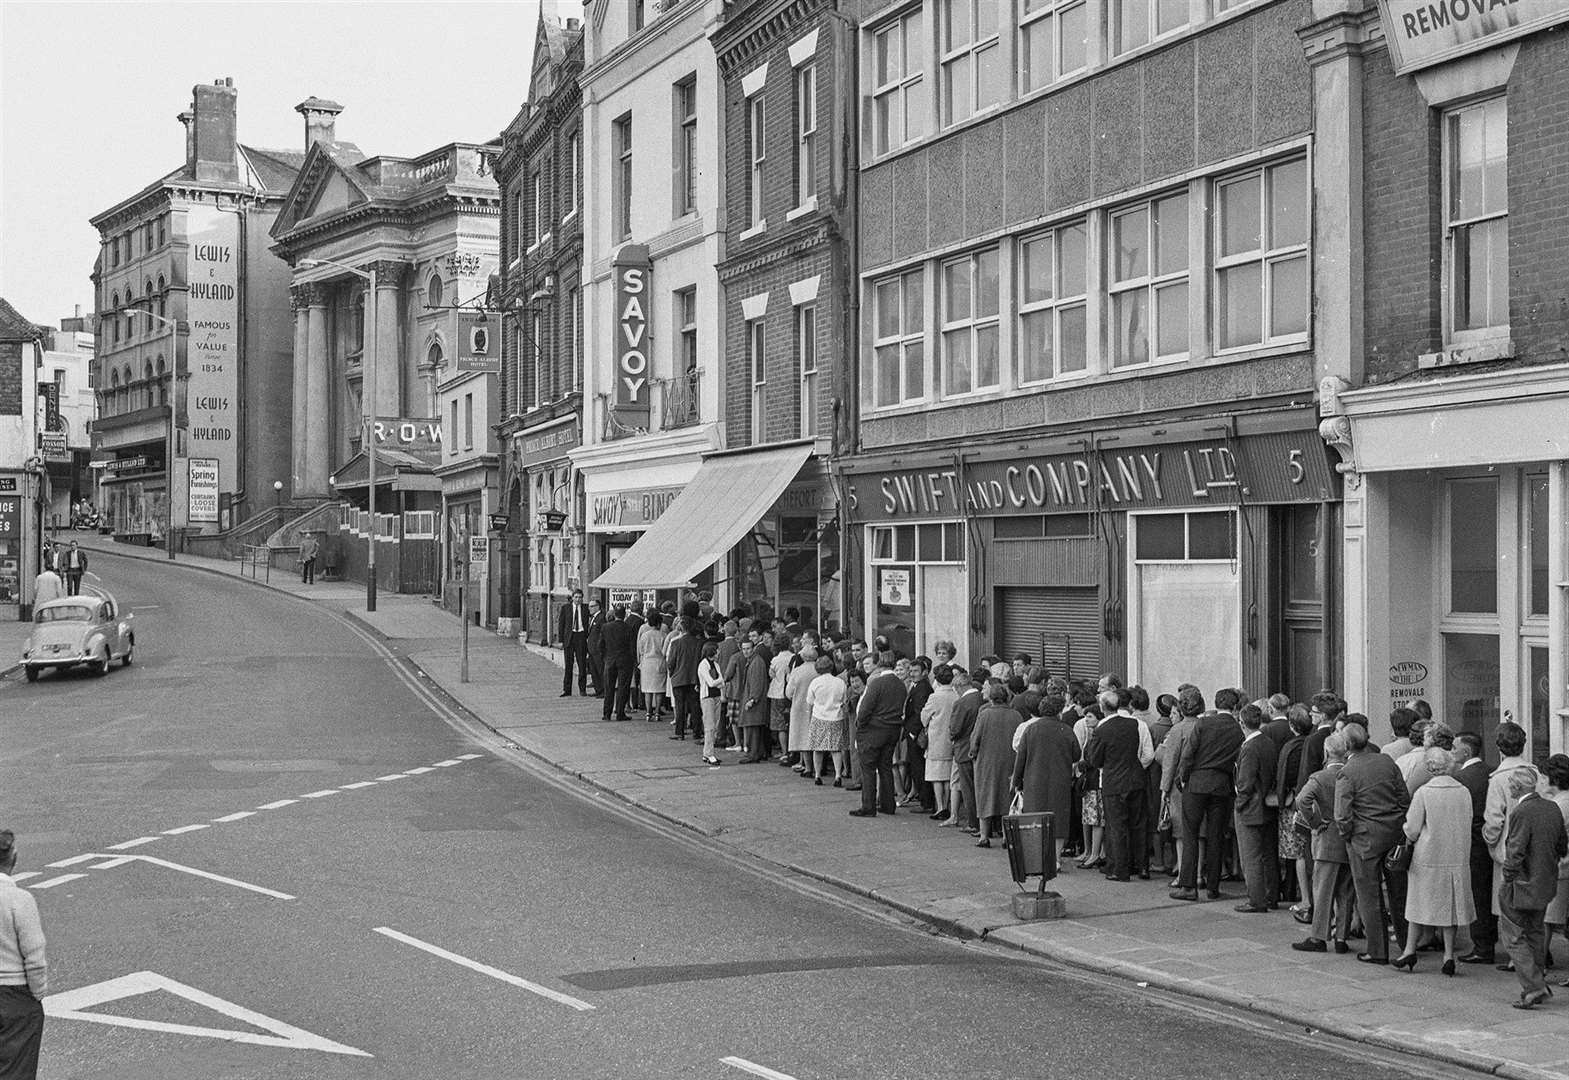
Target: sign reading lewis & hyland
1424	32
213	350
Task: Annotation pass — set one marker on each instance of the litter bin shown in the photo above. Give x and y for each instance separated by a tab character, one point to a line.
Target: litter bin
1032	853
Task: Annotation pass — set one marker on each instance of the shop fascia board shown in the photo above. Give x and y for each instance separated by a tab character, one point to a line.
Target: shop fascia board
639	450
1451	391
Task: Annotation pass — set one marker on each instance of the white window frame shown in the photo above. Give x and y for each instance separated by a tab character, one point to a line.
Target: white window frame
1051	14
1152	11
574	167
685	304
1267	256
419	524
621	178
966	56
685	156
902	340
537	363
1152	283
757	155
805	79
757	362
806	356
536	189
891	100
1056	306
574	346
1454	224
970	325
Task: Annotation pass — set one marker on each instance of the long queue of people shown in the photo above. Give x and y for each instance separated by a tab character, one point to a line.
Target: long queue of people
1420	841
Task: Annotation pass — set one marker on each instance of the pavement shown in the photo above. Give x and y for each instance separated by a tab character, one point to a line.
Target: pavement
1127	931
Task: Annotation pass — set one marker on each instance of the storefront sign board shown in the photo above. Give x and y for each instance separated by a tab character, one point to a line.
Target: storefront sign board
1425	32
551	443
623	511
202	490
10	517
632	346
52	444
416	434
212	351
1271	468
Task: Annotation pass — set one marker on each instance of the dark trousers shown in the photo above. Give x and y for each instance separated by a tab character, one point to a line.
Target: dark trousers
689	710
967	793
1127	831
1366	878
1260	869
22	1030
307	574
875	758
920	787
1333	897
1525	933
1395	888
1206	815
575	651
596	669
1484	930
618	684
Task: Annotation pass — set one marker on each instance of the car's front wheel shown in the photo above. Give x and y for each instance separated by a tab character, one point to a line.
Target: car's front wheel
32	674
130	647
100	666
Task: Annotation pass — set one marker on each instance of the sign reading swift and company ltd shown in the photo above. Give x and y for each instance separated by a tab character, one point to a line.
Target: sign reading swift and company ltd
632	347
1424	32
213	348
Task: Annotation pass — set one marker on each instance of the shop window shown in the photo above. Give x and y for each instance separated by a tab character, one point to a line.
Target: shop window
1261	246
1185	603
899	349
419	524
1138	22
1149	281
1537	543
1476	217
621	178
970	306
973	76
1053	283
805	133
1197	537
898	64
1471	684
757	154
919	585
1053	41
1473	546
686	145
806	357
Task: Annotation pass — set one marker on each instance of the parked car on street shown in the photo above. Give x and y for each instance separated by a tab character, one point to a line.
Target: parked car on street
86	629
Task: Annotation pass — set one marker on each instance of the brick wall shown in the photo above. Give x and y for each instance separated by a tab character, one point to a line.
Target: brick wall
10	378
1539	200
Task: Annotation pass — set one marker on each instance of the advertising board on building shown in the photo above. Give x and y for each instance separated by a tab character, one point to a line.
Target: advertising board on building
632	346
550	444
477	346
213	348
416	434
52	444
1425	32
624	511
202	490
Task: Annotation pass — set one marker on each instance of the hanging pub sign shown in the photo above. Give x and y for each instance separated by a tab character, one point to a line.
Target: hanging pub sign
632	347
1424	32
476	347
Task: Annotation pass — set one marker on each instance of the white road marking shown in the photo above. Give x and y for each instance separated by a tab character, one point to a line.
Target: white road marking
450	761
25	874
320	794
211	877
754	1068
138	842
421	769
486	969
236	817
470	757
359	784
390	776
72	861
52	882
70	1006
112	863
278	805
185	829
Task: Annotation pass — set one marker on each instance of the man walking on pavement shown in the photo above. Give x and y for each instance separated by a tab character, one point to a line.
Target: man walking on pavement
310	551
46	586
572	631
879	723
73	563
24	971
620	660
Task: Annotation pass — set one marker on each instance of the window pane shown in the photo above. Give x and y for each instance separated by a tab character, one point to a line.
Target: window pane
1212	536
1241	304
986	15
956	362
1495	157
1159	536
1071	270
986	289
914	371
1036	262
1016	528
886	123
990	76
1133	27
914	318
1471	684
1481	269
904	542
1130	245
1035	54
986	350
1239	216
1288	203
956	291
1171	235
955	24
1288	297
956	89
887	57
915	111
914	40
1467	159
953	543
1473	545
1072	35
1171	315
1035	348
1130	315
1058	525
1537	531
888	375
1170	14
887	309
928	543
1072	327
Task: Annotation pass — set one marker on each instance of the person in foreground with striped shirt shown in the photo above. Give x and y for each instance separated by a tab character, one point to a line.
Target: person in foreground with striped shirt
24	973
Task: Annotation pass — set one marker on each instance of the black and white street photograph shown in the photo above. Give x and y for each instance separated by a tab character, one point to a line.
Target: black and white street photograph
790	539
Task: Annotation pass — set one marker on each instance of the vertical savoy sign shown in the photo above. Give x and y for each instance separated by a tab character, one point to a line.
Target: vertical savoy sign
212	354
632	347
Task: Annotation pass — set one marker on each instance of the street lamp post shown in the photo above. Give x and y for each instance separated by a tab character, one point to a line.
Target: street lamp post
369	417
277	496
174	403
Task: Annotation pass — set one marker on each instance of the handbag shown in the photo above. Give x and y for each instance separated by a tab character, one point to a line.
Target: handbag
1163	822
1399	857
921	739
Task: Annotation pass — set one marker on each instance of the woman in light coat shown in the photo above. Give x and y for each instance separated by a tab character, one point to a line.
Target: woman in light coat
1438	886
935	715
797	683
651	668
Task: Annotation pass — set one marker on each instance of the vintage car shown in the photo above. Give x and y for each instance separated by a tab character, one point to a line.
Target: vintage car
85	629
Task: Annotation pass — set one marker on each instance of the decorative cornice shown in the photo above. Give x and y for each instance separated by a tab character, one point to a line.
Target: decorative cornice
746	38
389	272
1345	33
792	246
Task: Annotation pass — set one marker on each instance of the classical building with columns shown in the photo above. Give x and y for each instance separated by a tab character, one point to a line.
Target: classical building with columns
387	252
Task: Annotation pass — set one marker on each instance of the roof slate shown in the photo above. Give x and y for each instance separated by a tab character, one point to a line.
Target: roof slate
15	328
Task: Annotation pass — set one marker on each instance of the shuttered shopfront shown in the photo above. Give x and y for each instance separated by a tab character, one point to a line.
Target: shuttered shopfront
1059	627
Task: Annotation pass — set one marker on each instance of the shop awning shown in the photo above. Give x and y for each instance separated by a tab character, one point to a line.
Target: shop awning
727	497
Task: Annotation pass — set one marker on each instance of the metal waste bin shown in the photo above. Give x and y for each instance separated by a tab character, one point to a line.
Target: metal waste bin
1031	852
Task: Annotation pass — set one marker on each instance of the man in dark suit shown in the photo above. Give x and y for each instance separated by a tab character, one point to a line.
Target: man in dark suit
1371	799
596	646
572	631
684	651
1534	842
620	659
1324	707
1277	725
1120	748
1255	819
961	724
1206	773
1472	775
915	757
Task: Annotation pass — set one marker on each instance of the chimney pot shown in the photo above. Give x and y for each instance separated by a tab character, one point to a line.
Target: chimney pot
321	118
215	133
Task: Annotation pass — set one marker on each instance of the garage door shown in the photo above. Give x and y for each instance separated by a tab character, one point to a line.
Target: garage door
1059	627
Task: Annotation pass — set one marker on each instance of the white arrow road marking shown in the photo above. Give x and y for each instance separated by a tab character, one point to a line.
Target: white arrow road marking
486	969
754	1068
112	863
198	873
72	861
52	882
69	1006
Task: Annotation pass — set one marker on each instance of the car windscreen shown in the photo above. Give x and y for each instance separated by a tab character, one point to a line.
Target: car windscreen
65	614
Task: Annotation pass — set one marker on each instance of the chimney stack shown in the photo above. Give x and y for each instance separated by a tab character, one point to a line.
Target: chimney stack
186	119
321	118
214	131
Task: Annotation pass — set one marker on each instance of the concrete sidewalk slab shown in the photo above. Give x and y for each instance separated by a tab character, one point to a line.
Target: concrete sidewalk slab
1131	931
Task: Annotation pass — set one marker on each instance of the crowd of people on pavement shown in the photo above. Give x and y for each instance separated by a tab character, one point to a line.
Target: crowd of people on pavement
1419	842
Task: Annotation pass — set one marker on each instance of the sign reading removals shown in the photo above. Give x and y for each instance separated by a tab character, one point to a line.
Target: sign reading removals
1424	32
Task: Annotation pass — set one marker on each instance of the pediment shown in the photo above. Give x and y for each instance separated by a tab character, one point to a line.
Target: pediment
325	185
335	193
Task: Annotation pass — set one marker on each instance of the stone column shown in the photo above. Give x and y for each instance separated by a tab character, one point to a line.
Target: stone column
389	344
299	423
318	430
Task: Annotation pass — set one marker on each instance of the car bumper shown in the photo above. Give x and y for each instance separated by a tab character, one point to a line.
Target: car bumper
54	660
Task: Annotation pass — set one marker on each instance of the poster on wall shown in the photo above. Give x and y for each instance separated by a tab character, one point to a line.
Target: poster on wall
893	588
202	490
210	405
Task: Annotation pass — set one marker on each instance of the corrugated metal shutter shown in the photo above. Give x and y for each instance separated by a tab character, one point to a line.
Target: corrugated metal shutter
1059	627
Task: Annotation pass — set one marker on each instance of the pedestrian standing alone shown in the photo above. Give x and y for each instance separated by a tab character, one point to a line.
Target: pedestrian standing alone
572	625
24	971
1438	885
710	685
73	563
309	551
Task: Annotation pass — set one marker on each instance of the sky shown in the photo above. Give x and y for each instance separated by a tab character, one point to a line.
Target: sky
89	93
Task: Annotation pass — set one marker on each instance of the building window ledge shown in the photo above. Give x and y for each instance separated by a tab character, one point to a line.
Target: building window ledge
756	230
808	207
1500	347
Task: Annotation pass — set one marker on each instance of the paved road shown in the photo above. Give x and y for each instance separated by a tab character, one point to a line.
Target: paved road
347	831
